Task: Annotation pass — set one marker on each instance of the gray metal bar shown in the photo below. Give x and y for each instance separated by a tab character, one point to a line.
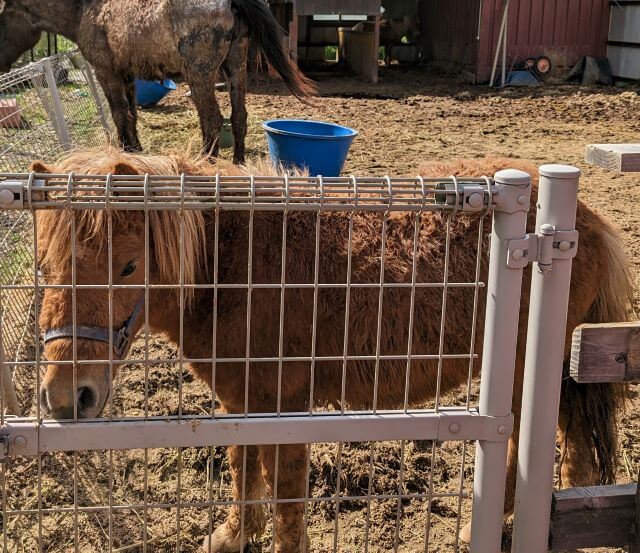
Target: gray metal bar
557	200
498	359
27	438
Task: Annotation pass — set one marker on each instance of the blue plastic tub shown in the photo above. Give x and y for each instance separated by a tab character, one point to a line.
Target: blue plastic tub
149	93
314	145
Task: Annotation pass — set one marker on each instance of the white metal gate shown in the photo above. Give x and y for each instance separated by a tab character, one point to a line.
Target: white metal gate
65	484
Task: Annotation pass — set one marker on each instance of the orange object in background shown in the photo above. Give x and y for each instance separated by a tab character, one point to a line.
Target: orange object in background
10	113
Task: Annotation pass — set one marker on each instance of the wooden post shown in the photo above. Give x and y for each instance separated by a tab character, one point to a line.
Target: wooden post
293	33
605	352
376	49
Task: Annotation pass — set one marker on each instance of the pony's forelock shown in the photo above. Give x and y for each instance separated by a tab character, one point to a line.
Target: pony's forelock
179	240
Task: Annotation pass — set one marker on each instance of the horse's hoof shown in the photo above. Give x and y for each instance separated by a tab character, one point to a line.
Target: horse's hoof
223	540
465	533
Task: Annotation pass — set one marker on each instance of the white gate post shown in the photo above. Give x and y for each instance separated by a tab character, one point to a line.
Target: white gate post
59	121
498	358
557	199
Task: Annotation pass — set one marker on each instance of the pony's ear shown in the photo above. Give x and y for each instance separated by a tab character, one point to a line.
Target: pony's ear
39	191
122	168
39	167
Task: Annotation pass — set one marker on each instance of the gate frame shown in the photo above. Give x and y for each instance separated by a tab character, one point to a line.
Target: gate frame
509	199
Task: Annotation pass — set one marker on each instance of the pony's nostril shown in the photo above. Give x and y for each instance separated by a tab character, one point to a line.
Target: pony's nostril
87	398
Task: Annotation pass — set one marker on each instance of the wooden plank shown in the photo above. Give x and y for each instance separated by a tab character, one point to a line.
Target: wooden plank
614	157
598	516
343	7
606	352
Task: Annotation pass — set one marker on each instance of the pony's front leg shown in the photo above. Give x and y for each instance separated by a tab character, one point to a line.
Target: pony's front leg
243	521
288	524
119	92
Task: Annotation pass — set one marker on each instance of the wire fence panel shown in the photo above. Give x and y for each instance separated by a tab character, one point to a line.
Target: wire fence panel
327	331
46	108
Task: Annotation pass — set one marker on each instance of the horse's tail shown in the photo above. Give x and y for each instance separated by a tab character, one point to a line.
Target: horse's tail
266	32
599	404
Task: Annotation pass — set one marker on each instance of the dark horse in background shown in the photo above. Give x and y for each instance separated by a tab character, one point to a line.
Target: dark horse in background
151	39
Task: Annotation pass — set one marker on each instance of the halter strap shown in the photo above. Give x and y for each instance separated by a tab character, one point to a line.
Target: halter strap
120	338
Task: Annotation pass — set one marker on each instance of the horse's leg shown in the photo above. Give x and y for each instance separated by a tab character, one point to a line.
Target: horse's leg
243	521
130	85
288	524
115	90
202	57
577	462
235	68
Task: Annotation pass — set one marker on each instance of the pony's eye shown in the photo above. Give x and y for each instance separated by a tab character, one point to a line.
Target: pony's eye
129	269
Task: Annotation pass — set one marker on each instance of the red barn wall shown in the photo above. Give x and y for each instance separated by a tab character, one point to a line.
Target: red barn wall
449	31
564	30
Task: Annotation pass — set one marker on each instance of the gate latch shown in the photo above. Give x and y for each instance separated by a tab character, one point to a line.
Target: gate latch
542	248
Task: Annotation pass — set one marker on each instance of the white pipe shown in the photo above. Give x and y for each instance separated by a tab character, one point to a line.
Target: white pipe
498	357
557	199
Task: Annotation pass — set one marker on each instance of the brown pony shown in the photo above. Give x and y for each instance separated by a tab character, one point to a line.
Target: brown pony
601	288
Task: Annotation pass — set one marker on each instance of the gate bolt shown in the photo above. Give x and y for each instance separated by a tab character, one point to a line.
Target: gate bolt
454	428
6	197
20	441
502	429
523	200
475	200
517	255
564	246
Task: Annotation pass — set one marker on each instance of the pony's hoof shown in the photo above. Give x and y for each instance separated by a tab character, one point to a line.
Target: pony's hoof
223	540
465	533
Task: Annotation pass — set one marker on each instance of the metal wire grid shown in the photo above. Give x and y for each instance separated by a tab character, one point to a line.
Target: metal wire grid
193	491
48	107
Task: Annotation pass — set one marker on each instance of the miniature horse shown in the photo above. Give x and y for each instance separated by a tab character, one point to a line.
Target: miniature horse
600	291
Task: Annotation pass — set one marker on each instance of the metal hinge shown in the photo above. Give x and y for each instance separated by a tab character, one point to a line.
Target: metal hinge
542	248
11	194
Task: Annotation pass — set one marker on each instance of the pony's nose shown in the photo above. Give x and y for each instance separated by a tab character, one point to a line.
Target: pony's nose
86	400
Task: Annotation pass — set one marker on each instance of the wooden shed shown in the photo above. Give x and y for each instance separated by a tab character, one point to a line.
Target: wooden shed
465	33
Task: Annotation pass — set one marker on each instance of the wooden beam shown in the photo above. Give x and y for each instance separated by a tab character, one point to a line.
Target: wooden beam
614	157
598	516
606	352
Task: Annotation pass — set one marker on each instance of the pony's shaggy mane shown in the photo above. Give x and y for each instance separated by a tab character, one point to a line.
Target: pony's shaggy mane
92	226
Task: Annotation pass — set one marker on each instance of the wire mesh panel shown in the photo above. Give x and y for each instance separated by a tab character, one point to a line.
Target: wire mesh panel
326	331
46	108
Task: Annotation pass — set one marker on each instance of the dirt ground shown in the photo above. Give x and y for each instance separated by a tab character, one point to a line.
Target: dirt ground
410	117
